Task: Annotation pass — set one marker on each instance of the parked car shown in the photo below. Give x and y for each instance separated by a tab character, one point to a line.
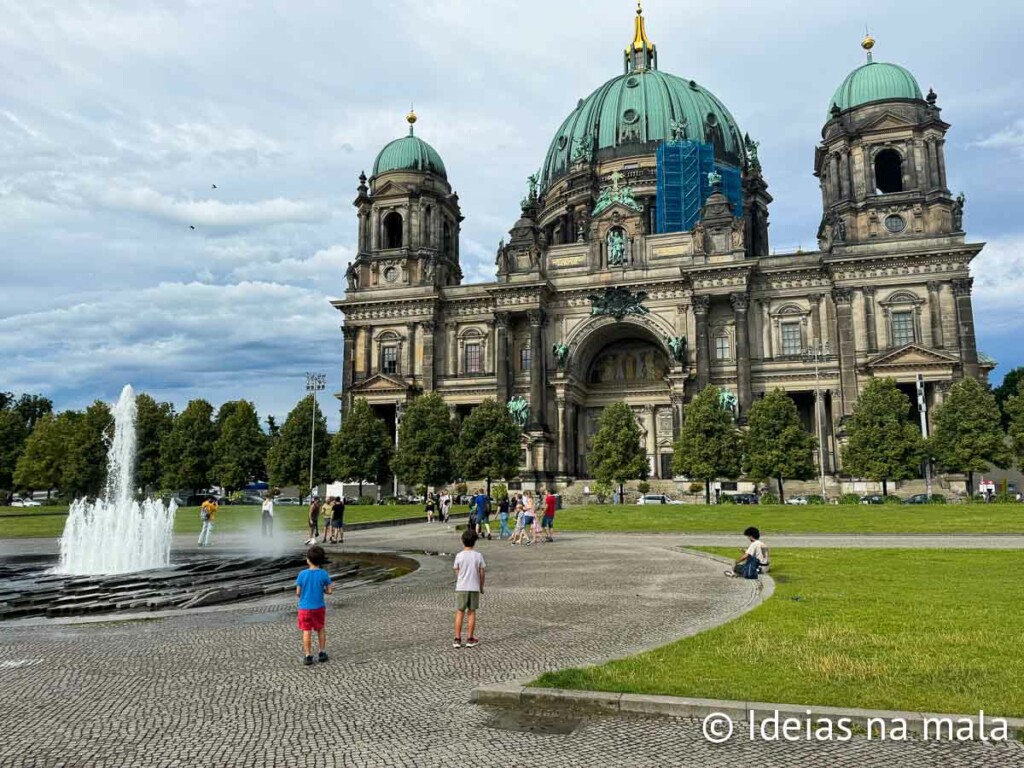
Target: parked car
797	501
656	498
746	498
918	498
874	498
18	501
292	500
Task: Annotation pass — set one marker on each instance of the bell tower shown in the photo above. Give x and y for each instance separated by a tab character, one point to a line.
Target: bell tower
409	220
881	161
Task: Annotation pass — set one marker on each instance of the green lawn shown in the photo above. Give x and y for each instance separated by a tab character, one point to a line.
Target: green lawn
854	518
41	522
918	630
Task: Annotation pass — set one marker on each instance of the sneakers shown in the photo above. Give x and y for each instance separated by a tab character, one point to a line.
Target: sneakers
322	657
730	574
457	643
308	661
472	642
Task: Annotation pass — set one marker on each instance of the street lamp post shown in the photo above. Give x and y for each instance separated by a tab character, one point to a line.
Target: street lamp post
399	413
922	408
813	354
315	382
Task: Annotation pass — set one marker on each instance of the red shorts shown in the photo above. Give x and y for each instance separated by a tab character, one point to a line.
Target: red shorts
312	620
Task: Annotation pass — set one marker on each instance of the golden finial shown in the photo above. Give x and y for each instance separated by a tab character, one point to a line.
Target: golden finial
411	119
639	8
867	43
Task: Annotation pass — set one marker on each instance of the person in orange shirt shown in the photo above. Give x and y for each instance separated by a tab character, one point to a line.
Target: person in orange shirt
207	513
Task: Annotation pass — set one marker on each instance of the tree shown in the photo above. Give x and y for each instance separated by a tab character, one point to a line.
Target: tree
42	462
488	445
777	445
273	430
18	417
85	464
288	457
617	455
239	453
425	441
882	443
186	454
709	444
967	434
1014	408
31	408
362	449
1011	386
153	422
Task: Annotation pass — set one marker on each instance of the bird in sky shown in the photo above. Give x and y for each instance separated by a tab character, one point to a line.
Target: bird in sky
191	226
213	186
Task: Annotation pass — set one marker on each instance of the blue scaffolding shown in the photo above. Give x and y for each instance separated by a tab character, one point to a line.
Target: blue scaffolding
683	186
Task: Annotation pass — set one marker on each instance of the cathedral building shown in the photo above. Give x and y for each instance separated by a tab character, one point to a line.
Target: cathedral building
639	270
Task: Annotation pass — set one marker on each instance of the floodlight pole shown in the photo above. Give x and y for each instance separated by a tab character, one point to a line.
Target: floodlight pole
818	350
315	382
922	408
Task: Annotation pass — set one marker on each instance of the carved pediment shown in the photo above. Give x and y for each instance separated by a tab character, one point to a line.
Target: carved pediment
391	188
380	382
887	121
912	356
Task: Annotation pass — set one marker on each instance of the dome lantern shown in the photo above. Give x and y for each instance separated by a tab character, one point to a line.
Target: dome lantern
641	54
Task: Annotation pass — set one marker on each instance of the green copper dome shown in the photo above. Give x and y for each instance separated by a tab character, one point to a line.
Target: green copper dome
631	113
875	81
409	153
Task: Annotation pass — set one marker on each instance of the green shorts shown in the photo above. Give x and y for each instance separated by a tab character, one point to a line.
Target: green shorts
467	601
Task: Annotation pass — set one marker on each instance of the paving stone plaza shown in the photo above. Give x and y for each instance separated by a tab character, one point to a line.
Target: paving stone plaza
226	687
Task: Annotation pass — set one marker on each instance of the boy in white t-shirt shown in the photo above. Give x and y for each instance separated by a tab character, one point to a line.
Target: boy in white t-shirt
469	585
755	556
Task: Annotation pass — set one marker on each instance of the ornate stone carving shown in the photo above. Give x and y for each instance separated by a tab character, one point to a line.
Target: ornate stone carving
561	353
727	400
740	302
701	304
519	410
582	150
616	193
618	302
963	286
842	295
616	248
838	228
352	276
934	286
677	344
958	212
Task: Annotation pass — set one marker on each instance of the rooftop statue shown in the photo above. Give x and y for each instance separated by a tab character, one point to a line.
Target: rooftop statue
519	410
618	302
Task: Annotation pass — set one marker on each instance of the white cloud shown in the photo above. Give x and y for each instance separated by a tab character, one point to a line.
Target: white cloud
1010	137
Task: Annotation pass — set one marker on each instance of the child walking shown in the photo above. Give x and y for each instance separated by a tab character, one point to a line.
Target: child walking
310	587
469	585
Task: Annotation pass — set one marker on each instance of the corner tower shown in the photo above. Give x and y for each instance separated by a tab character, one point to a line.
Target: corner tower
881	161
409	220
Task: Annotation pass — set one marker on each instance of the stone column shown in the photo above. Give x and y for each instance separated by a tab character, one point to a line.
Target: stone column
368	351
910	164
701	307
843	298
815	299
375	230
935	312
869	188
651	445
766	328
409	349
821	429
348	371
537	382
428	327
451	330
965	323
940	157
869	318
491	360
563	434
835	187
740	304
501	355
844	175
933	165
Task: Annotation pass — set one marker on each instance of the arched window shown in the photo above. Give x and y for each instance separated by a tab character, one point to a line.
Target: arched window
428	223
889	171
393	230
446	244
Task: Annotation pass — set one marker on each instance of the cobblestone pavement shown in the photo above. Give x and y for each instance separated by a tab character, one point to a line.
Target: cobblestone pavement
226	687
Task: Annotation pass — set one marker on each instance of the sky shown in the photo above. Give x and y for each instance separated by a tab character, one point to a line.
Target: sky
117	118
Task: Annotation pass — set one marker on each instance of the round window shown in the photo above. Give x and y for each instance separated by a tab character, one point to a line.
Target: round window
895	224
390	274
632	82
631	116
562	142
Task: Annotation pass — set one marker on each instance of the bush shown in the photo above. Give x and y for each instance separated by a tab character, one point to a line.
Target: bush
849	498
1005	498
603	491
815	501
365	501
937	498
696	487
893	500
461	489
725	498
643	486
499	492
769	498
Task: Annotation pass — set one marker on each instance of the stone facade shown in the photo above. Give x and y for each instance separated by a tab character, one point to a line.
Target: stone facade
592	306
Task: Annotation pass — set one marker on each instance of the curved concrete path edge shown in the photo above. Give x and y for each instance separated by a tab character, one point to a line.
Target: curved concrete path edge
518	694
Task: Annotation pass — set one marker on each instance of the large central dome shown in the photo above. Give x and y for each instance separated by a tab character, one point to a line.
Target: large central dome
630	114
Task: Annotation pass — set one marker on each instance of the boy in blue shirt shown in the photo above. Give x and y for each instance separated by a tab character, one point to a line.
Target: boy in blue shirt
310	587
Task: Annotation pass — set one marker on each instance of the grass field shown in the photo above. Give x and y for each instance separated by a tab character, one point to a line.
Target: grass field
922	630
48	522
854	518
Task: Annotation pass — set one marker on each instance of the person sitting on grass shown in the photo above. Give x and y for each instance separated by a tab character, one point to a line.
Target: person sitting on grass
755	556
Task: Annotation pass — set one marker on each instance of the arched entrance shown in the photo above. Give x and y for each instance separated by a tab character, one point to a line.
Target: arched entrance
623	361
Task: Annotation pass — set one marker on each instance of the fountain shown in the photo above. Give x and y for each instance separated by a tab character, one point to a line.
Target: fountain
117	534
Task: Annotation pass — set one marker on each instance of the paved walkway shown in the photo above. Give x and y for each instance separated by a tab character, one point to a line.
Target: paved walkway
226	688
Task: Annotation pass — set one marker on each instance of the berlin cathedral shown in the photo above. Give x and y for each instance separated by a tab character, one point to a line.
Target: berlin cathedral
639	270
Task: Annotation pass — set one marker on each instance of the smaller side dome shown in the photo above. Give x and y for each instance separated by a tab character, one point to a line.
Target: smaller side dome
409	153
874	81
